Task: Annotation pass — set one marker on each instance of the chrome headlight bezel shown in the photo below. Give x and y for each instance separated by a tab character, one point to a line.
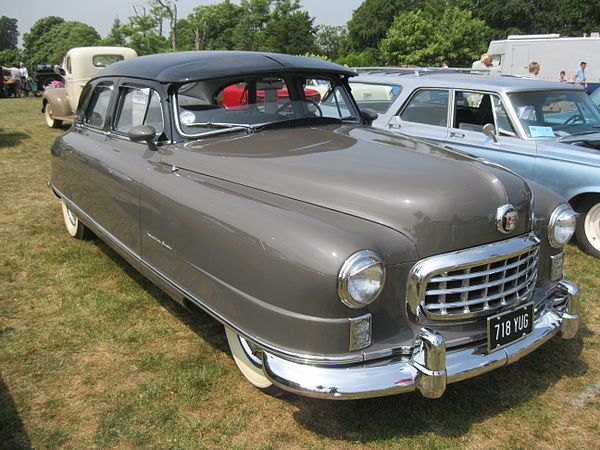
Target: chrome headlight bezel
563	216
355	264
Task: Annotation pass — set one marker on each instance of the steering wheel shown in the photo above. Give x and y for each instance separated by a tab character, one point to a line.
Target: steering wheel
279	110
574	118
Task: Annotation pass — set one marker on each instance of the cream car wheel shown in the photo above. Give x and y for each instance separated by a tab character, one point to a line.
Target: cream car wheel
74	227
588	226
249	365
52	123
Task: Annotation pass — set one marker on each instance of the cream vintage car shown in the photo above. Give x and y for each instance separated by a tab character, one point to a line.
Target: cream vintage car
79	65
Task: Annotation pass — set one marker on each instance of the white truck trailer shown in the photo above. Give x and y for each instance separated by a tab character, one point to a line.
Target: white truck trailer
554	53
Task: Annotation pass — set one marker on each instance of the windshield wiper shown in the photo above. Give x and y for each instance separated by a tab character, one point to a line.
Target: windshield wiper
581	133
301	121
220	125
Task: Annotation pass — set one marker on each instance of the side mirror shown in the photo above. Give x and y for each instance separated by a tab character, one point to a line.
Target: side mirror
369	115
490	130
145	133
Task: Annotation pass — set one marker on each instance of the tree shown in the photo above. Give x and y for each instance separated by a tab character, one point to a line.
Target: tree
372	19
36	38
9	33
51	37
115	37
10	57
141	33
289	30
247	32
63	37
567	17
167	9
332	42
427	37
210	27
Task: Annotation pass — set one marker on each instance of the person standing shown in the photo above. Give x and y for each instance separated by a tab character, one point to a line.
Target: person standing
24	76
579	76
534	70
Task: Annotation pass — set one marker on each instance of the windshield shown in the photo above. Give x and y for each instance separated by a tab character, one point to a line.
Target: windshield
255	101
555	113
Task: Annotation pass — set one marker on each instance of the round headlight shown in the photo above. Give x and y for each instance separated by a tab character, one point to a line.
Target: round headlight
361	279
561	226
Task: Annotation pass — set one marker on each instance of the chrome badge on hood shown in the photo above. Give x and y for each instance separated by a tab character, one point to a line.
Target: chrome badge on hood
506	218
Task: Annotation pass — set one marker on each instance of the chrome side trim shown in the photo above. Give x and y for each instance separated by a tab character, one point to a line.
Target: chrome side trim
430	367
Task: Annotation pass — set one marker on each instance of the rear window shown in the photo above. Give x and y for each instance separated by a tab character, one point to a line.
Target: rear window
105	60
375	96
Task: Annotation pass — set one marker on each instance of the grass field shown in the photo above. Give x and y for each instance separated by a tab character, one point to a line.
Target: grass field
93	355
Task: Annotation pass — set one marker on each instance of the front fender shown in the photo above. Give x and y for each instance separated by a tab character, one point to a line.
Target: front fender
57	99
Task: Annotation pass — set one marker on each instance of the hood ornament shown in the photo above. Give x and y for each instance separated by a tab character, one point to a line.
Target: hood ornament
506	218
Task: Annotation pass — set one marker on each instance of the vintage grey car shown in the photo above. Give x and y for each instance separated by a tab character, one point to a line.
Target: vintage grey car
545	131
343	260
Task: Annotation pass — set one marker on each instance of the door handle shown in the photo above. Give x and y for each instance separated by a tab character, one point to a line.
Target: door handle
456	134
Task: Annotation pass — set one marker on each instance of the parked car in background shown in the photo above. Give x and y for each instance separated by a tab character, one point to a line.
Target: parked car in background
545	131
344	261
595	98
79	65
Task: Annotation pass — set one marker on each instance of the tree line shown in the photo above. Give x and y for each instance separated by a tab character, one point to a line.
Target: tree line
380	32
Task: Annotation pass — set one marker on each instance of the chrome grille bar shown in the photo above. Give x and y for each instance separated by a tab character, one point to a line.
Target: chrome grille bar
474	282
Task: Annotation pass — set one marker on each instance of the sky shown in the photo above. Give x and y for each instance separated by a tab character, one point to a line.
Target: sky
101	13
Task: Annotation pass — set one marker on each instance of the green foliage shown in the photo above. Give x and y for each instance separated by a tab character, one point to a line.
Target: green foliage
36	37
567	17
333	42
363	59
289	30
115	37
9	33
51	37
141	33
10	57
426	38
210	27
247	32
261	25
372	19
67	35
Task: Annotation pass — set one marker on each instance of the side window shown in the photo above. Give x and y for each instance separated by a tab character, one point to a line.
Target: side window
336	104
429	107
138	106
503	125
472	110
96	111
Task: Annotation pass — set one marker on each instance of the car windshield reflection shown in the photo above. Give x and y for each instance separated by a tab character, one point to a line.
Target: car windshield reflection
556	113
217	106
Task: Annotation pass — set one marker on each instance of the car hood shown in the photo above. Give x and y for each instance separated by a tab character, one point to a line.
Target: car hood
588	140
440	199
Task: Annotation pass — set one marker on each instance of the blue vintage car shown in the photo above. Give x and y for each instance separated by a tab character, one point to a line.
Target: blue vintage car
545	131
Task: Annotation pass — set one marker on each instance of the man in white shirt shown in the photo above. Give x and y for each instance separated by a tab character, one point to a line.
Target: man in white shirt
484	63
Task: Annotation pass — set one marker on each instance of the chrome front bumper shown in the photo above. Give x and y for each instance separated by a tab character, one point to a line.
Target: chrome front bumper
430	368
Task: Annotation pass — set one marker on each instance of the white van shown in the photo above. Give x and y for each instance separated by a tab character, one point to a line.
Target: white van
554	53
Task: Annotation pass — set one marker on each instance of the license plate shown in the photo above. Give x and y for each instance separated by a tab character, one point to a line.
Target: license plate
508	327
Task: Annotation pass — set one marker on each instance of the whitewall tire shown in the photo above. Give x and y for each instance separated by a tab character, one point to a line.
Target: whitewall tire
249	365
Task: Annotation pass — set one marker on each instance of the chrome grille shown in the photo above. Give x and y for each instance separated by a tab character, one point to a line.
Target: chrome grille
475	282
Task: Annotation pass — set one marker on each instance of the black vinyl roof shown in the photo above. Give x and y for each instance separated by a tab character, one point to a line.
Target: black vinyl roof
204	65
